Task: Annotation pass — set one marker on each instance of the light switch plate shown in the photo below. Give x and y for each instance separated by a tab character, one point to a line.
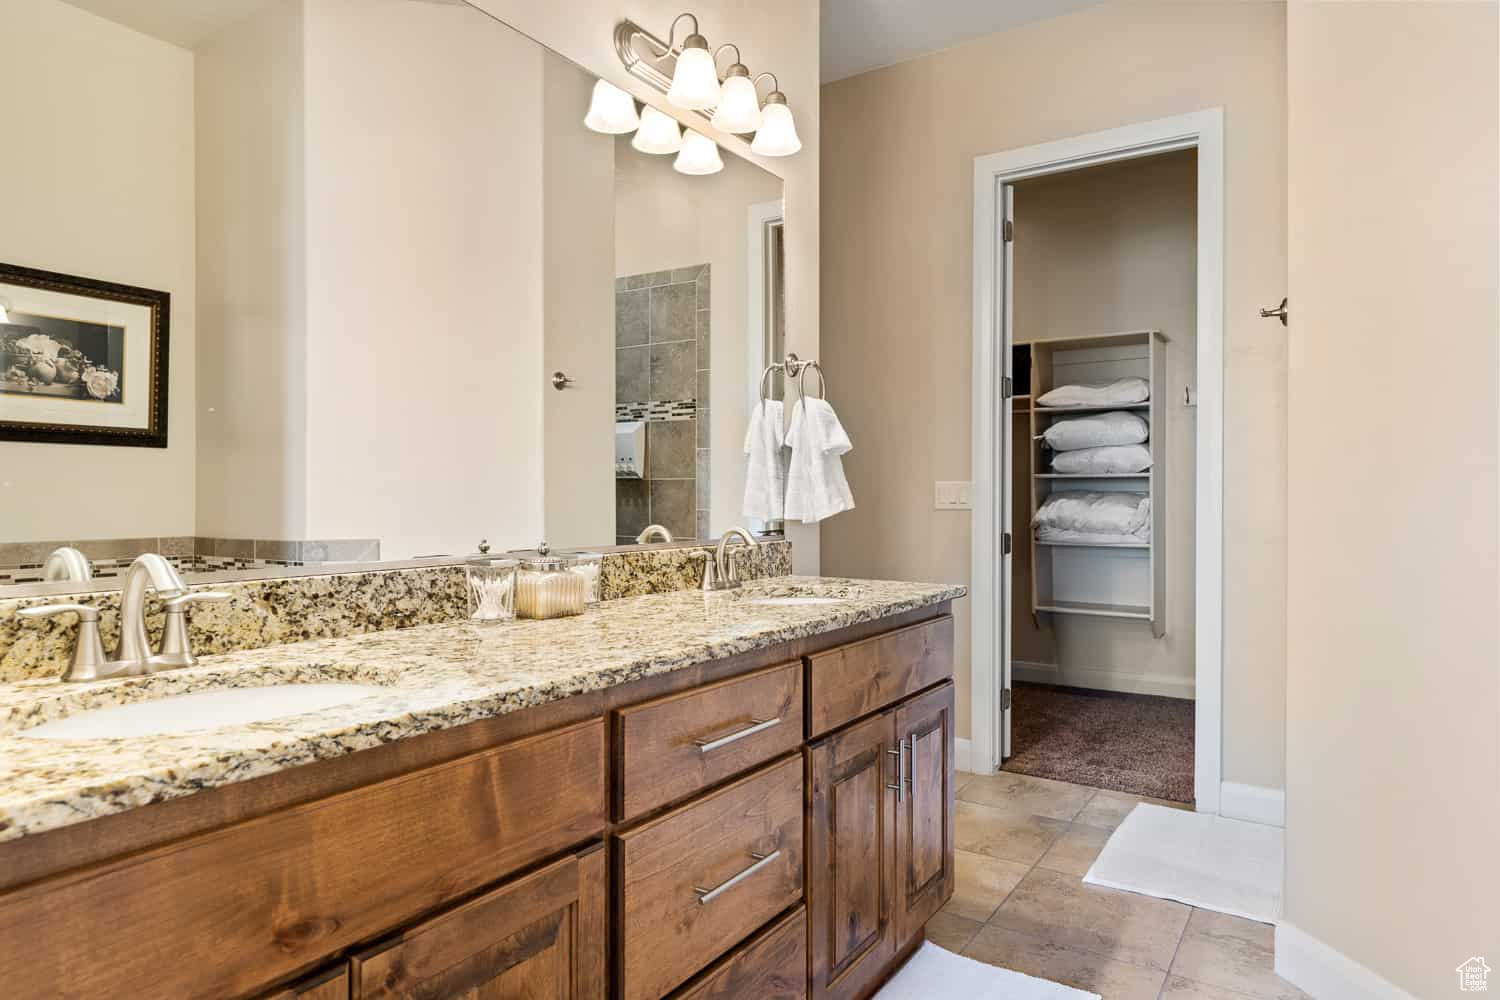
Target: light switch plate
953	496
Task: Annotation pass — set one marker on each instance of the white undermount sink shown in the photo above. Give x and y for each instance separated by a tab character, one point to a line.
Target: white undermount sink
795	602
200	710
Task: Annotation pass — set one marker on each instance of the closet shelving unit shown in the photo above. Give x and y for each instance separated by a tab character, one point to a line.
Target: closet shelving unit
1123	581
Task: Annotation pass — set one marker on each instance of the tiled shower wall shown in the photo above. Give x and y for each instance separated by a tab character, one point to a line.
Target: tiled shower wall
661	375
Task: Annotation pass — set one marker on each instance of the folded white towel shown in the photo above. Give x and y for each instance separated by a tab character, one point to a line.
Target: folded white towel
765	463
816	487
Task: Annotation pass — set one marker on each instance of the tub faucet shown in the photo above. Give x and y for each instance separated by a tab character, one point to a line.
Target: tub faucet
653	530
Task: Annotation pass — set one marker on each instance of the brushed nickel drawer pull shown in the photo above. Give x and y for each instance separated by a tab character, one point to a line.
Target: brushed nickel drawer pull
761	860
756	726
900	779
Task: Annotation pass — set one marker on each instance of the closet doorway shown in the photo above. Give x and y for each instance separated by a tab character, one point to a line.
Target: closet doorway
1097	341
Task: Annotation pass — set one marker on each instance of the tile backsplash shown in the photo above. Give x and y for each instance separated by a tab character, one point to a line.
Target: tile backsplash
290	609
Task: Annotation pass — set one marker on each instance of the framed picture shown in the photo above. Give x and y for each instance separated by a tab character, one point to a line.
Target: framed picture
81	361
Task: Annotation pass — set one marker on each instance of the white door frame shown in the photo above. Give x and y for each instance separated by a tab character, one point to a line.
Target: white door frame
989	585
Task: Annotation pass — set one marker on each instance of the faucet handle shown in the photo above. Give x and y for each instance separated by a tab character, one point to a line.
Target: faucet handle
88	651
176	648
182	600
85	612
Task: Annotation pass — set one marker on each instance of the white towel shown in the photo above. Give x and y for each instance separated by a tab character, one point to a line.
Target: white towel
816	487
765	463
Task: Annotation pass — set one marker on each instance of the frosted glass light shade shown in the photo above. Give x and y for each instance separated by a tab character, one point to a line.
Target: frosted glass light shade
778	133
611	110
699	155
739	107
659	132
695	83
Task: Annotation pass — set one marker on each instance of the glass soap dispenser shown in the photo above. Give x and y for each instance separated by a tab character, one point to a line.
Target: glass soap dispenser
492	586
547	587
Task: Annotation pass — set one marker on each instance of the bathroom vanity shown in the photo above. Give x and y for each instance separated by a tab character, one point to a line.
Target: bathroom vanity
743	794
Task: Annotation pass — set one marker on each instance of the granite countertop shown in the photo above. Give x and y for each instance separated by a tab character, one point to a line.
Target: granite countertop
434	676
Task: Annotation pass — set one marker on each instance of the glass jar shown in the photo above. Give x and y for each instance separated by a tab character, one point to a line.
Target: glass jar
547	587
588	565
492	586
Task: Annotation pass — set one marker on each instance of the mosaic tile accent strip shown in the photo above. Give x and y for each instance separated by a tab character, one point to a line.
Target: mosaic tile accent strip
670	409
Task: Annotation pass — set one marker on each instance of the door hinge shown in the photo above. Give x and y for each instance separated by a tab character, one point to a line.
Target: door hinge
1007	231
1007	387
1005	700
1005	543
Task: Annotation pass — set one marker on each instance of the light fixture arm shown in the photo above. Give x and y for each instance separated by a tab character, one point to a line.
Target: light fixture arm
672	45
738	59
775	83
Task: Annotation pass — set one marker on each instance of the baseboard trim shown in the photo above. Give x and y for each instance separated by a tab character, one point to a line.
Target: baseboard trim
1103	680
1323	972
1252	803
962	753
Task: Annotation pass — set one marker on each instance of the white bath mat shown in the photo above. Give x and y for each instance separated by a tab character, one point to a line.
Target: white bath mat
936	974
1200	859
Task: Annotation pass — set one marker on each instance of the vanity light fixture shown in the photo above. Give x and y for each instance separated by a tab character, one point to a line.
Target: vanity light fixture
611	110
659	133
778	132
689	76
739	105
699	155
695	82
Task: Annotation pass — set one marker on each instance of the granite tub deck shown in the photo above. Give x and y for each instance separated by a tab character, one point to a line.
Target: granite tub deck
436	677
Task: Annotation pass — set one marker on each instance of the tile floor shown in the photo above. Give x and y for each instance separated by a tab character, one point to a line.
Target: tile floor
1024	845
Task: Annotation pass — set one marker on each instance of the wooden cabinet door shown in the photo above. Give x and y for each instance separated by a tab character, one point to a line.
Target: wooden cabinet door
852	857
541	937
924	817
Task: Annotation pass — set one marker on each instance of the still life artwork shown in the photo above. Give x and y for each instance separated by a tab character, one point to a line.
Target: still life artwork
82	361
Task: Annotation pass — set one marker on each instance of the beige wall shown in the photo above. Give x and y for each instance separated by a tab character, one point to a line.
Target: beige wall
776	35
1104	250
252	280
578	313
1393	691
897	291
665	220
96	180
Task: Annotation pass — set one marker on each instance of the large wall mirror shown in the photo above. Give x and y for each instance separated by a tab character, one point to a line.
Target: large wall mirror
414	302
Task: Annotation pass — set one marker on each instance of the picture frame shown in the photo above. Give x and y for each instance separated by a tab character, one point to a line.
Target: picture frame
82	361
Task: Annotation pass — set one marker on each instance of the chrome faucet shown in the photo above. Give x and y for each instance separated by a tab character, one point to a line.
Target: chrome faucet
134	655
653	529
720	572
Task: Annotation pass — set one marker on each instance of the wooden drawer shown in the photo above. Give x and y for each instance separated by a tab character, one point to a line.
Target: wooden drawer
223	913
330	984
542	935
770	966
674	746
700	878
847	682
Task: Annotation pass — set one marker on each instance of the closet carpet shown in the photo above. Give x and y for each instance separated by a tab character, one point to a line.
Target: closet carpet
1134	743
